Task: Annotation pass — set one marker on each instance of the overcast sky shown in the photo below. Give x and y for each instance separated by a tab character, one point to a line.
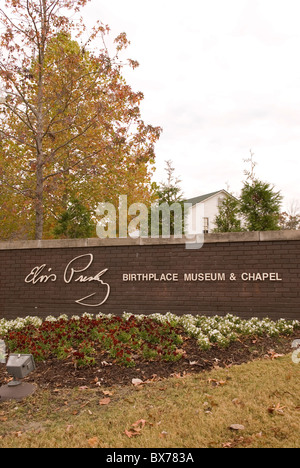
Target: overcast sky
222	78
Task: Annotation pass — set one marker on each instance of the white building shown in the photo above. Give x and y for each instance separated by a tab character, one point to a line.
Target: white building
203	213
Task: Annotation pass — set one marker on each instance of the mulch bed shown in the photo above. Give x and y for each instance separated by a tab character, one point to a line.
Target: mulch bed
54	373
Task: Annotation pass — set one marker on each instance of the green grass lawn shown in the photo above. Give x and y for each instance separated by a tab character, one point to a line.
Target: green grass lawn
180	412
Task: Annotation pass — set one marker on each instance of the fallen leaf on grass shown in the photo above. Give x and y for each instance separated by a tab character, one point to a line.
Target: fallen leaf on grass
104	401
238	402
237	427
242	441
179	375
237	442
137	382
135	429
217	383
93	442
273	355
140	424
130	434
227	445
276	409
208	406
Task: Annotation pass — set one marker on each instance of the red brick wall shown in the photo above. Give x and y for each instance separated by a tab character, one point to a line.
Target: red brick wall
276	297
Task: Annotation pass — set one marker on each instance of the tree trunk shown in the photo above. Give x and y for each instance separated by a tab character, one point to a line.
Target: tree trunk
39	194
39	204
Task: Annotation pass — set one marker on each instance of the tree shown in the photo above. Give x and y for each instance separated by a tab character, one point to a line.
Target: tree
169	191
168	195
260	203
290	219
227	219
71	126
76	222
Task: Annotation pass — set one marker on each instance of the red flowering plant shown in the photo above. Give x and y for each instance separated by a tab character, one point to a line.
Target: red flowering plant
82	339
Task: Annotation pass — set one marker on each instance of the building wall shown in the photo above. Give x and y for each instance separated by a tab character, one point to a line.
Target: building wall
211	209
206	209
246	274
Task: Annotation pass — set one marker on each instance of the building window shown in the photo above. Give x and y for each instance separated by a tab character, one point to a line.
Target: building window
205	225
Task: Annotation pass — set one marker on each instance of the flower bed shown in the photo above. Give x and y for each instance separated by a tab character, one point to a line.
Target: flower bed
129	338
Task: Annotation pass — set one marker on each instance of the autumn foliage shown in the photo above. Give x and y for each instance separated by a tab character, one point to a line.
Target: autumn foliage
70	125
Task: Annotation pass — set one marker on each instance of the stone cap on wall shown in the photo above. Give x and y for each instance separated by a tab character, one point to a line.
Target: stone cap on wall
266	236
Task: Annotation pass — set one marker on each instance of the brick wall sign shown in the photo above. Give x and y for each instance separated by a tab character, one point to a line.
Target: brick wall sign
246	274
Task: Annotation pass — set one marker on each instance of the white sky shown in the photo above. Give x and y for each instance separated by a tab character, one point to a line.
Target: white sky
221	78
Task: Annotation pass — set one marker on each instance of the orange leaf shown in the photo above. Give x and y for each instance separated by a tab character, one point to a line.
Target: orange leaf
104	401
140	422
216	383
93	442
130	434
276	409
136	428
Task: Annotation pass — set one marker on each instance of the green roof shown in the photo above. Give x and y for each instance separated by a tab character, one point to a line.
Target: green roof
202	198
